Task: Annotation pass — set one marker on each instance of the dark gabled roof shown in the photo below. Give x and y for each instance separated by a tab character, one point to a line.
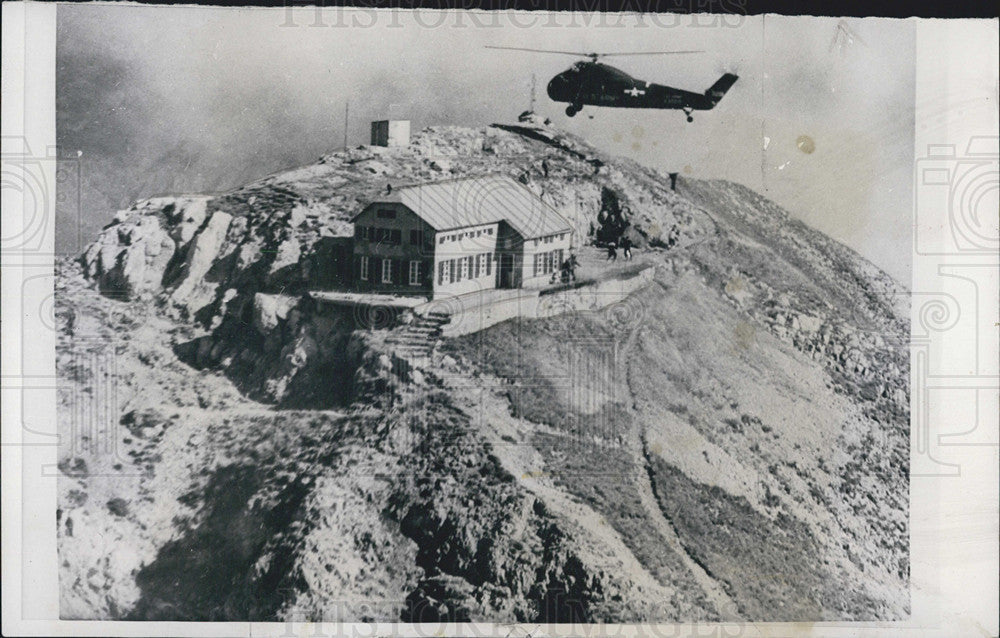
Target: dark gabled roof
470	201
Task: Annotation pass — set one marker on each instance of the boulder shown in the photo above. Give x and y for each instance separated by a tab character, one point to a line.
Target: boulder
287	256
376	167
270	310
130	258
809	323
192	292
191	215
298	215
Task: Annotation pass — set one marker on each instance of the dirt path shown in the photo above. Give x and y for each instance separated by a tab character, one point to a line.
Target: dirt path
724	605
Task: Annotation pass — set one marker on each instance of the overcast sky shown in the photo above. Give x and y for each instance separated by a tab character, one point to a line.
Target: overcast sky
168	99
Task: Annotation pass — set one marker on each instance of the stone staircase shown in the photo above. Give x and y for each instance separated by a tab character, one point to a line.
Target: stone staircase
417	339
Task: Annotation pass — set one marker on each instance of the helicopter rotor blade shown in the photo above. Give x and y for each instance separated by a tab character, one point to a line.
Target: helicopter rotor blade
592	56
577	53
608	55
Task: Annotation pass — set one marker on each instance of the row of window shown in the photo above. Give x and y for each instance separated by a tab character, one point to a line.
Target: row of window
388	236
394	236
471	267
550	238
547	262
385	273
465	233
455	270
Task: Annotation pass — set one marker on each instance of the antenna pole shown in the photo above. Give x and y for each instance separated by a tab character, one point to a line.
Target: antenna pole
347	110
532	92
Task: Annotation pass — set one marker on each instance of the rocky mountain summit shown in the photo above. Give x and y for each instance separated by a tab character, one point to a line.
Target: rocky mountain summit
730	442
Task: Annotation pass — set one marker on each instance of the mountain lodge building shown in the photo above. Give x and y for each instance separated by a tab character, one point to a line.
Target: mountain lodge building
458	236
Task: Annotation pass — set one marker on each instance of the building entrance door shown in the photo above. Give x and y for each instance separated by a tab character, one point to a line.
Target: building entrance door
505	271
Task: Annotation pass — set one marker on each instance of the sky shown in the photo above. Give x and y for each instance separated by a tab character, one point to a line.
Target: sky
162	100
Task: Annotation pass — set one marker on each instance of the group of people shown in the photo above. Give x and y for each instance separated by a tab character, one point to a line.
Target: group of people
526	175
567	270
625	244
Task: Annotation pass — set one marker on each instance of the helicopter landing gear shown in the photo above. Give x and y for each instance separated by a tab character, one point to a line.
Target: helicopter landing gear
687	112
573	109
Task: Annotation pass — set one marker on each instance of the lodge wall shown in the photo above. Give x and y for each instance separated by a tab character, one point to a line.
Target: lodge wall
542	257
393	251
465	260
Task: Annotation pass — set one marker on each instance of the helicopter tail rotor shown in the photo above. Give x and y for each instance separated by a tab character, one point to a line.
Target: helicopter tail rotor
727	67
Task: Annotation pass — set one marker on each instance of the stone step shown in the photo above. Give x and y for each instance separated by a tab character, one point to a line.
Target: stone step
432	326
414	353
410	338
423	329
423	334
426	332
410	342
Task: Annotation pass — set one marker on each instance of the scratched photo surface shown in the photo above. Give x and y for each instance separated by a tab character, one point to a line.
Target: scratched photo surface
423	317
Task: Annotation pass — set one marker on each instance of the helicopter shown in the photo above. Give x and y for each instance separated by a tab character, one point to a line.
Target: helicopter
592	83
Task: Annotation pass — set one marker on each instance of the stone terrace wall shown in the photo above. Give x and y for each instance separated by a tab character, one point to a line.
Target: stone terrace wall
474	312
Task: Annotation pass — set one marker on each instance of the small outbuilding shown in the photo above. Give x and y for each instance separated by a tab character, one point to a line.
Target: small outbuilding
458	236
391	133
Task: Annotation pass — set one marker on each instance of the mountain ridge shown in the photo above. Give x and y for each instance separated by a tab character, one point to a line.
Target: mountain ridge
753	400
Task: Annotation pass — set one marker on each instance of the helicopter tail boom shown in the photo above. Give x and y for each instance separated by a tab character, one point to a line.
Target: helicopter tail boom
717	90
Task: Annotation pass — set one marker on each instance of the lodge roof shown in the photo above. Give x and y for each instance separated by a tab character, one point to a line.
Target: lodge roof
471	201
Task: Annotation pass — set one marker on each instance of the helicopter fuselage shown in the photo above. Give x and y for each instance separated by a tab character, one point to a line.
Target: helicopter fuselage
597	84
